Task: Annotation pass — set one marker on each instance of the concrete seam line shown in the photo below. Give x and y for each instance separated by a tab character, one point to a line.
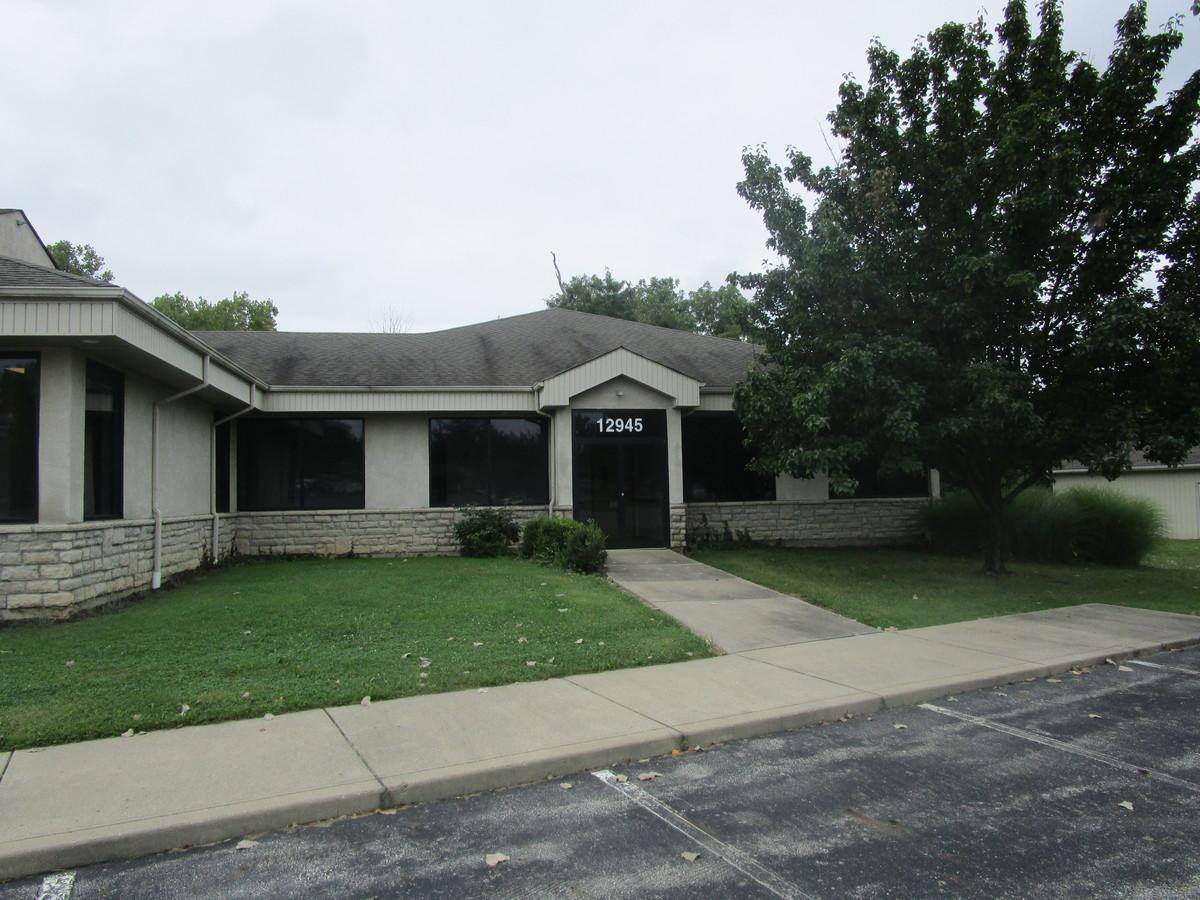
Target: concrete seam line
57	886
1149	665
1093	755
385	795
678	734
743	862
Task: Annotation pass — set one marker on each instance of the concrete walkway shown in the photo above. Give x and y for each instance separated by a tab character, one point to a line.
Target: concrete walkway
735	614
119	797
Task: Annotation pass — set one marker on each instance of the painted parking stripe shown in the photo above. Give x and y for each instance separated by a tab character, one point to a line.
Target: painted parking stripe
1045	741
57	886
1149	665
744	863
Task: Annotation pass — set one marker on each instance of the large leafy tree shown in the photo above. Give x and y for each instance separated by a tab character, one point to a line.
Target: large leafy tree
234	313
657	301
79	259
998	273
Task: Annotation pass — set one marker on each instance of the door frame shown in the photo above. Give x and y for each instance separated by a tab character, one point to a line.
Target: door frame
622	441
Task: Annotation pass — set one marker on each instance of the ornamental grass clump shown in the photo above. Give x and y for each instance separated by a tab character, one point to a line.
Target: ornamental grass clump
1087	525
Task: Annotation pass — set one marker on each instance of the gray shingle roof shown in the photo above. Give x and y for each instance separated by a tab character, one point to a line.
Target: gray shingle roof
519	350
15	273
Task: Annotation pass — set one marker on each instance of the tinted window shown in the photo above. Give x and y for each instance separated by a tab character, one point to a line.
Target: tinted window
715	461
103	443
18	437
300	464
873	483
223	433
488	462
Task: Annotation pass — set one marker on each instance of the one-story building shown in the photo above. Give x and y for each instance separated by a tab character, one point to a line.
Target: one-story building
1175	490
132	449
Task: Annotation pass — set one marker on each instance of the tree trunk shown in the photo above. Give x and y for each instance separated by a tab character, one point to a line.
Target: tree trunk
995	547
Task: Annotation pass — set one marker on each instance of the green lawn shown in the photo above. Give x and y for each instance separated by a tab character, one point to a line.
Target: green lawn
272	636
909	589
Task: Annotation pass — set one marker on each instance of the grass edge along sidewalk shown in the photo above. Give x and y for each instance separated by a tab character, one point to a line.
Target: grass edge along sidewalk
911	588
273	636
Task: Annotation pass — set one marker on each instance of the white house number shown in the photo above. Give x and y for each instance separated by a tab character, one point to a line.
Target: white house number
617	426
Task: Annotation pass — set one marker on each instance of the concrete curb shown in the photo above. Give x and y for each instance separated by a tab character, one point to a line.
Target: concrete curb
157	834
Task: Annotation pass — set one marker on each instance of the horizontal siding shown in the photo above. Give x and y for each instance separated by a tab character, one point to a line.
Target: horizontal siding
397	401
1176	493
716	402
41	318
559	390
151	339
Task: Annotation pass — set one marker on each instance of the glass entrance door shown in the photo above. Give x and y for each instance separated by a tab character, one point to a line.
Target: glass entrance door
620	474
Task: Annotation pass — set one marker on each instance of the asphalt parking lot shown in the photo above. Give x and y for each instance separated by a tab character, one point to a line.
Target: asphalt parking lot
1085	785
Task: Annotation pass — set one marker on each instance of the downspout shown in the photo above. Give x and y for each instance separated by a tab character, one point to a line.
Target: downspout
212	475
156	573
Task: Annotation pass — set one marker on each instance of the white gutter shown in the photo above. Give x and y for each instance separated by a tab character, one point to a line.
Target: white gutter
156	574
215	546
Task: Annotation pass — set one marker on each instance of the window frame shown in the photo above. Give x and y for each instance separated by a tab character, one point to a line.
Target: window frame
445	502
36	356
117	448
245	446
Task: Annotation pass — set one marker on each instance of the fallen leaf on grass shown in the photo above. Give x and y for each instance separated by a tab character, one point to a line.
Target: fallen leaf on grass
246	845
365	701
425	663
70	662
565	609
891	628
494	859
268	716
690	856
579	640
477	644
1125	804
522	640
128	733
424	674
406	655
531	663
183	709
245	695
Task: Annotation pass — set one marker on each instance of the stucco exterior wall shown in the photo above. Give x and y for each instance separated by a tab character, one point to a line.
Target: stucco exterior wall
60	436
397	461
183	456
1175	492
789	488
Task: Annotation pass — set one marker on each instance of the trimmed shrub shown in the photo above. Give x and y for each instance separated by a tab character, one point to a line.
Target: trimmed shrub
578	546
485	532
1080	525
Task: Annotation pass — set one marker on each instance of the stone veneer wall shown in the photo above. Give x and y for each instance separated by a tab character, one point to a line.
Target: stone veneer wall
363	532
817	523
55	571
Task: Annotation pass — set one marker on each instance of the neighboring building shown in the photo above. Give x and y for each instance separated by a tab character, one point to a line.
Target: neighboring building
131	449
1174	489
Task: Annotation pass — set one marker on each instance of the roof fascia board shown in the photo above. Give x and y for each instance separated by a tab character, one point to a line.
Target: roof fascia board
621	361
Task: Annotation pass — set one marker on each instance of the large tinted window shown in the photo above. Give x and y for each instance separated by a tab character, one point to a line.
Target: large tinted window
300	464
103	443
715	461
18	437
488	462
874	483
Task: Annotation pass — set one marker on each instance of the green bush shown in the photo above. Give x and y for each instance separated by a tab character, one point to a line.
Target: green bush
1114	529
485	532
579	546
1080	525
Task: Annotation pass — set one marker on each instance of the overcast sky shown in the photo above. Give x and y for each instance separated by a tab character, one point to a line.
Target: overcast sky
345	159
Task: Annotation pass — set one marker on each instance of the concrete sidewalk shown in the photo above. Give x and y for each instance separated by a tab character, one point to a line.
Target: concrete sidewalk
82	803
735	614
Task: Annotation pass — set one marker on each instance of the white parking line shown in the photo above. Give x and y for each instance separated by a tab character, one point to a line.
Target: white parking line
744	863
1149	665
57	886
1093	755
